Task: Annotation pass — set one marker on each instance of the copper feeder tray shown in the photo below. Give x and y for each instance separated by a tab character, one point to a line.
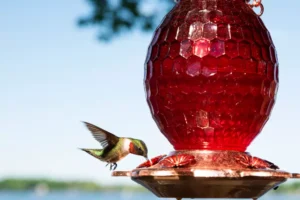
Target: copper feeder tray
203	181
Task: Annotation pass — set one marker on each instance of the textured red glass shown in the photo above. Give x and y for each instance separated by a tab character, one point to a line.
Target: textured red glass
211	75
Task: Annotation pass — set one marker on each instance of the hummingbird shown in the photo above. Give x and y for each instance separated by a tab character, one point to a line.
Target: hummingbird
114	148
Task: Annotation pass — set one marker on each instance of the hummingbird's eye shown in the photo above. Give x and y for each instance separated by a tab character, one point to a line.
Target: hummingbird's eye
140	150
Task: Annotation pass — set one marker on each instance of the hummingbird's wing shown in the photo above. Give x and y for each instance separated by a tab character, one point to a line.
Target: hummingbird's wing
105	138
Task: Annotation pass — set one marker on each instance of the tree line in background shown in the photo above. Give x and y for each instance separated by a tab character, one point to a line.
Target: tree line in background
18	184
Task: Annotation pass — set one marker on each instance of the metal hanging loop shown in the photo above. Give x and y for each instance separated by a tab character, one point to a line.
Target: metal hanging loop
255	4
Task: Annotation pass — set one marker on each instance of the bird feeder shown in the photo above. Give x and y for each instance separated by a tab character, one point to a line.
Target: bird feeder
211	79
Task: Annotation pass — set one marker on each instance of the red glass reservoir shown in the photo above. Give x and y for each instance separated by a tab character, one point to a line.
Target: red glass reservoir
211	75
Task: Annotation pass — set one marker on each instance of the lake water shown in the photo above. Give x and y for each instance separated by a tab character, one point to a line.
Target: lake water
105	196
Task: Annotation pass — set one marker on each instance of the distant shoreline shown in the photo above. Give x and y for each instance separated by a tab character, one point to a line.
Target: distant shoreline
46	185
40	185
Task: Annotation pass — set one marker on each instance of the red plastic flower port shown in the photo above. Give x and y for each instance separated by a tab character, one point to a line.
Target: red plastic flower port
255	163
152	161
177	161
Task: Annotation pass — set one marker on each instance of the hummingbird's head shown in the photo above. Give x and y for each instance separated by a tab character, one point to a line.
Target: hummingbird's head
138	147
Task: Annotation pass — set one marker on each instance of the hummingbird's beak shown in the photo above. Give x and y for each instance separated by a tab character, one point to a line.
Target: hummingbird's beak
146	157
148	160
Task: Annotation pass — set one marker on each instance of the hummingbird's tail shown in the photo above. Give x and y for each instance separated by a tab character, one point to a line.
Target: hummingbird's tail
86	150
94	152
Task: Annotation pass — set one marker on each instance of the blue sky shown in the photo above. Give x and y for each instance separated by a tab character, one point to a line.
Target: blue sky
54	74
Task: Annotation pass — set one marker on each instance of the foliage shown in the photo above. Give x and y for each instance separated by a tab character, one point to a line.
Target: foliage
54	185
116	16
32	184
293	187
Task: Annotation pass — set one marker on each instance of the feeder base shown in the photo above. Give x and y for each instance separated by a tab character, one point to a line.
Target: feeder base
179	183
209	174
